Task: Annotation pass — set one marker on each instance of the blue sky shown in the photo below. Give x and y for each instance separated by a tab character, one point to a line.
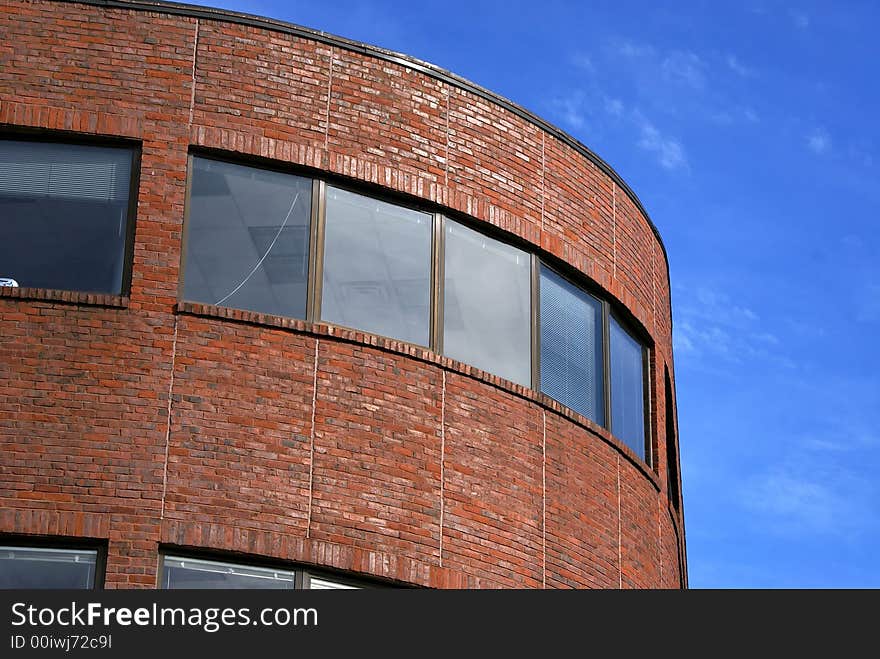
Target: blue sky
749	131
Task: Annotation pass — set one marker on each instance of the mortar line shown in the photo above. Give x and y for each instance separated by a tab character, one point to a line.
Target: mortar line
442	460
312	439
192	92
168	420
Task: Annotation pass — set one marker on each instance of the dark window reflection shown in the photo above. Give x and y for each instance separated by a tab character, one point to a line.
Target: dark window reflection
29	567
571	346
627	389
247	243
181	573
377	267
64	215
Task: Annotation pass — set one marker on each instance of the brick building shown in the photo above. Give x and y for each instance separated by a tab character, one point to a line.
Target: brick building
289	310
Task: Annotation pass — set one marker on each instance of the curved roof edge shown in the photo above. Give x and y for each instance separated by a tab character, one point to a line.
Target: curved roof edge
210	13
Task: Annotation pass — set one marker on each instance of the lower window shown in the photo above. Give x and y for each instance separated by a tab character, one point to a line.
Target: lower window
180	572
48	567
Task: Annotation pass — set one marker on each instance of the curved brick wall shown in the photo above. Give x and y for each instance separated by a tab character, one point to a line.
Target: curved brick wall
145	421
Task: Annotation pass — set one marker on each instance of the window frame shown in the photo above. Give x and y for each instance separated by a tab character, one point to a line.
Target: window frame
99	546
135	148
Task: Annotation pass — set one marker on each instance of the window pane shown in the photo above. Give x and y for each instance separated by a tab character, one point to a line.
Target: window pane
486	312
627	389
571	346
64	215
30	567
377	267
247	243
316	583
197	573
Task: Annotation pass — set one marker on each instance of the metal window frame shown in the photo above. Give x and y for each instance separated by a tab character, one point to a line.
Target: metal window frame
438	283
99	546
135	148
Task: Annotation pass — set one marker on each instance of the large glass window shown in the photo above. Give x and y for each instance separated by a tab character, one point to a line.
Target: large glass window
377	267
571	346
64	215
43	567
487	304
627	388
178	572
247	242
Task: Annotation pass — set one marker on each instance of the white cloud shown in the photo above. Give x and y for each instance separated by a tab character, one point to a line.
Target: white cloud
669	151
819	141
798	503
738	67
584	62
710	327
631	49
817	491
800	19
685	68
613	106
572	110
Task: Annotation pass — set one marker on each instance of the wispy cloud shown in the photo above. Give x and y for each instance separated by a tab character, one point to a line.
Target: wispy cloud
584	62
614	106
685	68
799	19
738	67
631	49
805	503
709	324
819	141
572	109
669	151
730	116
819	489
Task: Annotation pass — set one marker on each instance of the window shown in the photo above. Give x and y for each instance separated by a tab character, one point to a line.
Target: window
671	453
247	242
487	304
571	346
65	215
47	567
627	388
377	267
178	572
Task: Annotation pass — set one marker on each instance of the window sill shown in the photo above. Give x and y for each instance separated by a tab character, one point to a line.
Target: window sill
65	297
